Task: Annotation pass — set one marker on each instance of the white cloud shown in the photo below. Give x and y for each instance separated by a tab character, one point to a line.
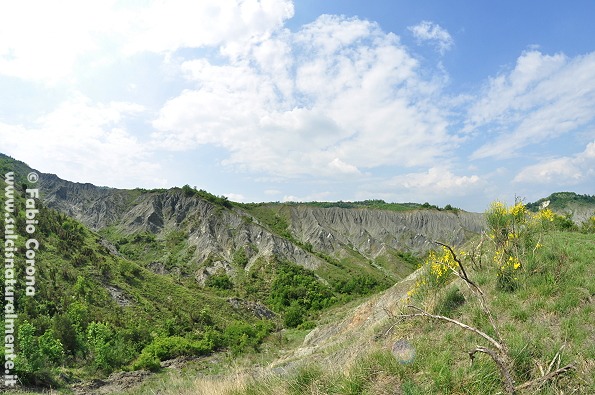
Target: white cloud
567	170
84	141
338	99
542	98
313	197
235	197
339	96
434	33
51	41
437	181
440	184
41	40
169	25
342	167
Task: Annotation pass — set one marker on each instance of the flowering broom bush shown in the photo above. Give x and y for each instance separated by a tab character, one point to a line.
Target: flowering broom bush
516	235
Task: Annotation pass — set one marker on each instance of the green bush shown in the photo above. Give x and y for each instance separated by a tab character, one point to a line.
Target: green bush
293	283
239	258
589	225
242	336
147	361
100	339
219	281
71	339
188	190
294	315
163	348
360	285
564	222
218	200
50	348
306	325
175	346
36	356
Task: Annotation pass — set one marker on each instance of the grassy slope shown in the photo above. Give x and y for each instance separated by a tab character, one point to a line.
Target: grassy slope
550	312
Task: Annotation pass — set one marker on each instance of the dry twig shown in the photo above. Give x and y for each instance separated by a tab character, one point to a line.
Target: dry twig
542	380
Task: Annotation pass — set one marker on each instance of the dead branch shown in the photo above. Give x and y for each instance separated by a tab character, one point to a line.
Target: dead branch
500	356
390	315
502	366
556	358
462	272
477	252
542	380
423	313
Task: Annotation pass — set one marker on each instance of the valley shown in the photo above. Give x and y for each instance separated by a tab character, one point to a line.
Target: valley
131	280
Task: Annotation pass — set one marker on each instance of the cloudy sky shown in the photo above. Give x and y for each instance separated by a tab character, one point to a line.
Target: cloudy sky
460	102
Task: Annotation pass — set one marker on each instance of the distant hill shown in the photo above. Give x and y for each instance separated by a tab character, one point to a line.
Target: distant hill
578	207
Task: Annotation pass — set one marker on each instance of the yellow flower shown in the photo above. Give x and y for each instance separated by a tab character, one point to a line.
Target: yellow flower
518	211
514	262
545	215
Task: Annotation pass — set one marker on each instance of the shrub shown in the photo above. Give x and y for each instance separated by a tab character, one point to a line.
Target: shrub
50	348
147	361
294	315
436	271
188	190
219	281
67	333
242	336
517	251
175	346
37	355
564	222
293	283
163	348
589	225
239	258
360	285
100	338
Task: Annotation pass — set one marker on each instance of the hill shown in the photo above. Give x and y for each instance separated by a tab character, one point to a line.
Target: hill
269	296
127	279
578	207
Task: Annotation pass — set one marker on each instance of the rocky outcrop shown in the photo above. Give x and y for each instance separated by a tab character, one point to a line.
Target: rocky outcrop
370	232
96	207
257	309
215	233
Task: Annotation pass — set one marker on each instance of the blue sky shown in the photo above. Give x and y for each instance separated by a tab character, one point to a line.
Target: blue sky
459	102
